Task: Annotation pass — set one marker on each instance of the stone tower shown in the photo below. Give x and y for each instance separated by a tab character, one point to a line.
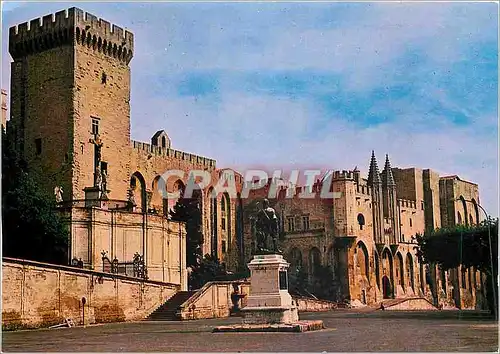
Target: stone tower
377	201
70	79
344	207
390	201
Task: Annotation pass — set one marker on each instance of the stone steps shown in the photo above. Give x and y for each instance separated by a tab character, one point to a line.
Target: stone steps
168	311
394	302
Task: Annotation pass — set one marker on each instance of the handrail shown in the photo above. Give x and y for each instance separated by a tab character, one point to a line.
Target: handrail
205	288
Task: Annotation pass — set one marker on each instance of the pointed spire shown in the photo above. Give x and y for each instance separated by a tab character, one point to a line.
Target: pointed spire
373	174
388	177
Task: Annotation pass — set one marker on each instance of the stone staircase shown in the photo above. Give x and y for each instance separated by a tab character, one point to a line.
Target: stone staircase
169	311
424	304
392	302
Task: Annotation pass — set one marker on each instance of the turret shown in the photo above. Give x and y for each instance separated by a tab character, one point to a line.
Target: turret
373	174
387	177
377	203
390	201
355	174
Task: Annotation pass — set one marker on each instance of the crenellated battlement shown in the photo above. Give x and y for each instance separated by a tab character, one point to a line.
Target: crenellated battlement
181	155
409	204
342	175
67	26
363	189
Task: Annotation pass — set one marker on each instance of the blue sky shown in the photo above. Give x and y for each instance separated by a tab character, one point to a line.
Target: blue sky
313	84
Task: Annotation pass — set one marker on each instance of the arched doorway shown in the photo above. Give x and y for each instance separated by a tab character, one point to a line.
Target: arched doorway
377	268
464	209
363	266
387	271
476	211
409	271
386	287
179	187
399	278
157	195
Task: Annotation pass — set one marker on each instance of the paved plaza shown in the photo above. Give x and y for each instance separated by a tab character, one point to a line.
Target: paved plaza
346	331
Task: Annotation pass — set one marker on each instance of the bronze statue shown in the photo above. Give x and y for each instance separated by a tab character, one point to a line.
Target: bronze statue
266	229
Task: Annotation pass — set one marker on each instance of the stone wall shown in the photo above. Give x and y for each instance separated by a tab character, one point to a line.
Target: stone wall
409	183
412	218
459	200
41	104
312	305
431	199
40	295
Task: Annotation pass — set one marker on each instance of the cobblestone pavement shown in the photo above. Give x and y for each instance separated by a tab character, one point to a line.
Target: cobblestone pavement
346	331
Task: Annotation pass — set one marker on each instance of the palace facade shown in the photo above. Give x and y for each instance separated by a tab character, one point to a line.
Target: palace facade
70	113
365	234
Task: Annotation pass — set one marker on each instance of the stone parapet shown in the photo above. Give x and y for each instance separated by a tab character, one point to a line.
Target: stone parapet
62	28
176	154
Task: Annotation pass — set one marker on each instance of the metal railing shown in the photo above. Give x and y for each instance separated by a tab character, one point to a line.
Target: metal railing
135	268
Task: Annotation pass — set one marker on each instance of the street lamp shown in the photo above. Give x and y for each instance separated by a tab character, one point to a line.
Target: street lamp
488	219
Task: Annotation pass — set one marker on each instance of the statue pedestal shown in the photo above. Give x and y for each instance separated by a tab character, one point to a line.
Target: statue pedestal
269	301
93	198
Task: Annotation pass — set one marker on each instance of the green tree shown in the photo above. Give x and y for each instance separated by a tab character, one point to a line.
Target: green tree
467	246
208	269
187	210
32	227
